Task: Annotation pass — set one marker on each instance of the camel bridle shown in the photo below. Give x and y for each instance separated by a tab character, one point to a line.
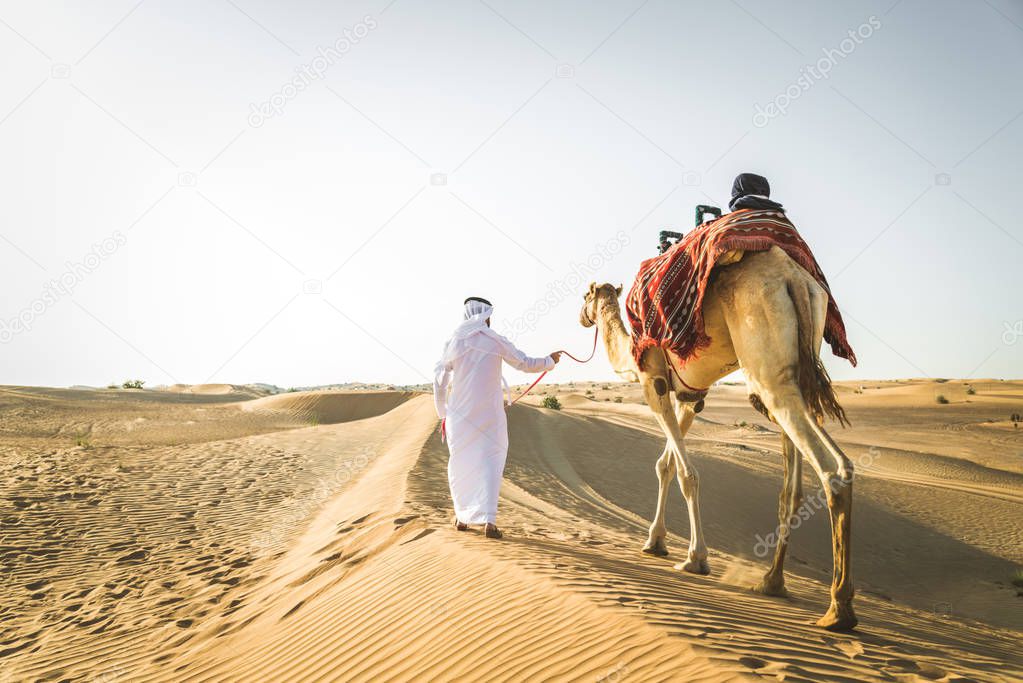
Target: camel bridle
590	300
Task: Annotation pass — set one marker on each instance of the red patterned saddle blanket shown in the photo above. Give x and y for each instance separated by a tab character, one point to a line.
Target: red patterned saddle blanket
665	304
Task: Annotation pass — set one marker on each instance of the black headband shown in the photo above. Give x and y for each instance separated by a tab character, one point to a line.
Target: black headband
476	298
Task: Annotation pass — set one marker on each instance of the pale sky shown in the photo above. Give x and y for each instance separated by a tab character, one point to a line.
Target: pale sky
491	148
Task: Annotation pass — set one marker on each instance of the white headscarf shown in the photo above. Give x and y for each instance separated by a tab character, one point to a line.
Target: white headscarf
476	315
475	323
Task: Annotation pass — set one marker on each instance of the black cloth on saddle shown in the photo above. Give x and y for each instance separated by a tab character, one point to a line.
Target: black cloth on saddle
752	191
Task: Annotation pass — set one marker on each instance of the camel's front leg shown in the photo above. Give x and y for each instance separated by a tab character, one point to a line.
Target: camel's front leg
666	468
655	390
658	531
789	501
689	481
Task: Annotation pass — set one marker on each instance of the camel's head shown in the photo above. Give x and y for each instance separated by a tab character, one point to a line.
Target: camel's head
592	299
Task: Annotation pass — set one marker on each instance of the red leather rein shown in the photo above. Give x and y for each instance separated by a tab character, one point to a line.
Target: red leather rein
593	352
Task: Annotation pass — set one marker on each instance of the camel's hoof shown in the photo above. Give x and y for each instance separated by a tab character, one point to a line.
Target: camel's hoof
694	566
838	618
656	549
774	589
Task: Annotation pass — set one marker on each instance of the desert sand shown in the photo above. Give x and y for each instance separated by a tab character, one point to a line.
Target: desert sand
213	533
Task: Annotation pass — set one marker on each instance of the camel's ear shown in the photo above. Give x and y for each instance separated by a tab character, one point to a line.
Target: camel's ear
593	287
619	290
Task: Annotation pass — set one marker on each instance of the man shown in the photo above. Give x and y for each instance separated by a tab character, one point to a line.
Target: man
752	191
467	392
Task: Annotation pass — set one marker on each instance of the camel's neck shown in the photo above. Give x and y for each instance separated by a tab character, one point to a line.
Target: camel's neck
617	339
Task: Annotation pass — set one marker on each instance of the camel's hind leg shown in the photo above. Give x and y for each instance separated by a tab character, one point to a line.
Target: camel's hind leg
666	469
835	471
658	397
774	319
789	500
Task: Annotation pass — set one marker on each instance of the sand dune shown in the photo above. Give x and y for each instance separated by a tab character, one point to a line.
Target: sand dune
306	536
214	390
330	407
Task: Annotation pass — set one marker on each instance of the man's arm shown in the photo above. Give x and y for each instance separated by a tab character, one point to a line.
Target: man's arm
441	379
520	361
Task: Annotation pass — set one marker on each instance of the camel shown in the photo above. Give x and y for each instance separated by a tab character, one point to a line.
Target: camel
765	314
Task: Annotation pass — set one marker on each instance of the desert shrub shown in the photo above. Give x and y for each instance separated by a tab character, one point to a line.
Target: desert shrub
940	398
618	399
552	402
1017	579
133	384
970	391
940	380
83	441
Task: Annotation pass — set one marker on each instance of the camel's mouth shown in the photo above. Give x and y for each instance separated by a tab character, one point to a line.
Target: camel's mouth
584	315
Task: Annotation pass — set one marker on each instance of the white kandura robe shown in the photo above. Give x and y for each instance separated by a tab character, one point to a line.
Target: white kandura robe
468	392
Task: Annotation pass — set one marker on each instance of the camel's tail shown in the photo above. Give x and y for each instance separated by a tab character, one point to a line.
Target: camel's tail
814	381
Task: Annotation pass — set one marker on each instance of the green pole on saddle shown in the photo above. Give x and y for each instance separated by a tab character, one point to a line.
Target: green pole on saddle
702	210
666	239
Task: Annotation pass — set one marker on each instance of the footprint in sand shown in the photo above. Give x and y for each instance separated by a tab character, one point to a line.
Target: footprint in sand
919	670
422	534
850	648
40	585
752	662
137	557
